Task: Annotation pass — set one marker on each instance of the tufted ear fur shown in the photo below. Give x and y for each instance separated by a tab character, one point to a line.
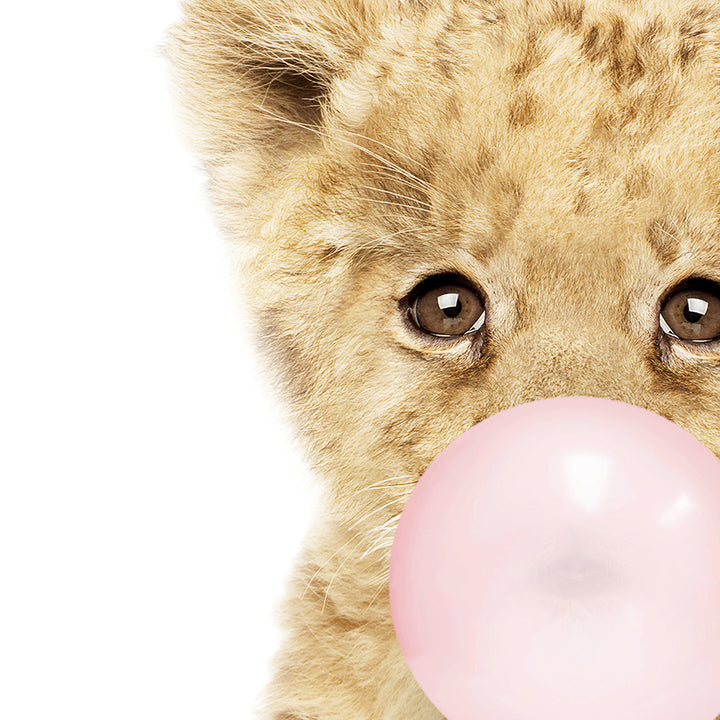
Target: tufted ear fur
242	68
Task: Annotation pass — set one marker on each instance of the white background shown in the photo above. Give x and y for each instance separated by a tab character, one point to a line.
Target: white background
150	502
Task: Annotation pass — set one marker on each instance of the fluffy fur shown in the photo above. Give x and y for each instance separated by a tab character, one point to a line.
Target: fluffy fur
562	154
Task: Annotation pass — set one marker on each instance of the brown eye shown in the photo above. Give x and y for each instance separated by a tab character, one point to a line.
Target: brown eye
693	312
448	309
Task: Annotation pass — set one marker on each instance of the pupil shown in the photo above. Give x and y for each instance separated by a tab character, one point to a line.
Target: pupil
450	304
695	309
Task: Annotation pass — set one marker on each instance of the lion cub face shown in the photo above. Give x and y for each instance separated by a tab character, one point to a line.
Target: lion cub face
444	209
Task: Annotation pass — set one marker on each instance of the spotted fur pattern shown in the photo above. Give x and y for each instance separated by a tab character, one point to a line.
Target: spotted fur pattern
564	155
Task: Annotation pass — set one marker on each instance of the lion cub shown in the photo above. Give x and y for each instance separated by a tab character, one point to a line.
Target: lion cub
442	209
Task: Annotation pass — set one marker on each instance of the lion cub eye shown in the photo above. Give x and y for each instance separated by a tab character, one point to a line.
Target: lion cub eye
692	312
447	308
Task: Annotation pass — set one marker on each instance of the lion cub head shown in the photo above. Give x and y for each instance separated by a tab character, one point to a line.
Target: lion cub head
445	208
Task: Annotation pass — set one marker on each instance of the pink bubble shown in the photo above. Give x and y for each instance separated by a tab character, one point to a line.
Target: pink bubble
561	560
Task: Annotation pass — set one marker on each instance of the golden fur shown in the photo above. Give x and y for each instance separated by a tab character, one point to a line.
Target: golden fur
564	155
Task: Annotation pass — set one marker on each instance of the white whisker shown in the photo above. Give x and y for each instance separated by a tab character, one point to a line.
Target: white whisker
325	135
382	483
404	197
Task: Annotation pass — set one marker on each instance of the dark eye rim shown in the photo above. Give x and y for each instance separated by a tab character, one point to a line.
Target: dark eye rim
407	305
696	282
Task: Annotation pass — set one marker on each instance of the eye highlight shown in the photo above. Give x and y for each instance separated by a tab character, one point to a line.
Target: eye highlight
691	311
447	307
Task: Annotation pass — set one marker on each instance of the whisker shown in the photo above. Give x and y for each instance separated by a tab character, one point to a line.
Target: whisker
324	565
375	539
386	530
419	228
366	516
404	197
385	161
392	149
382	483
332	579
659	227
381	171
381	544
379	486
394	204
373	598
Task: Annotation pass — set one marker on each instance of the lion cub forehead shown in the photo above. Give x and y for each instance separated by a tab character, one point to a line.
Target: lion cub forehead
558	112
524	63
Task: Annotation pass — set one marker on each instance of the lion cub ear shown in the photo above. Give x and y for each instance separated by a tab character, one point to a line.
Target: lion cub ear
255	74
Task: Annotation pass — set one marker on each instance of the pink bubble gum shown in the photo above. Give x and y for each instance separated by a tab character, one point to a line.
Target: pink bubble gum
561	561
